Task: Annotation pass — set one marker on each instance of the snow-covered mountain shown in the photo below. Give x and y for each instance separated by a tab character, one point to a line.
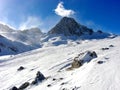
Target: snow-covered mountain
9	47
99	73
5	28
21	40
66	31
69	57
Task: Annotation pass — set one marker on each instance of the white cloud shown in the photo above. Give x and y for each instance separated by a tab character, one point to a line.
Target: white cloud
61	11
31	22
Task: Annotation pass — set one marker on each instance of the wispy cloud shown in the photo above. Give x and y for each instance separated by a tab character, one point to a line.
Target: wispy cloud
93	25
30	22
61	11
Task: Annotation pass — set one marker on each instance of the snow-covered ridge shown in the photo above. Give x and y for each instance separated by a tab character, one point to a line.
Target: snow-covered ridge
66	31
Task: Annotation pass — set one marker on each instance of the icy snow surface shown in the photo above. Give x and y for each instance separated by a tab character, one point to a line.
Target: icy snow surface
54	60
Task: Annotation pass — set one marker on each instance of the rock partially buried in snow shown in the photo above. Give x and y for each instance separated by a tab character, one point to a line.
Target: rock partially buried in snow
83	58
111	45
76	64
104	49
14	88
23	86
39	78
20	68
100	62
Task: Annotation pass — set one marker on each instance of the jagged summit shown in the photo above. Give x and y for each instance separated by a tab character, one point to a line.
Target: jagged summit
68	26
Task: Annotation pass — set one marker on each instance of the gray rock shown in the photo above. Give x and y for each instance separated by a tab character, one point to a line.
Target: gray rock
23	86
68	26
105	49
100	62
20	68
111	45
14	88
39	78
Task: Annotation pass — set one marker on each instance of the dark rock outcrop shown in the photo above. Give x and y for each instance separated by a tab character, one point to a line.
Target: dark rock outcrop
20	68
14	88
100	62
23	86
68	27
111	45
105	49
39	78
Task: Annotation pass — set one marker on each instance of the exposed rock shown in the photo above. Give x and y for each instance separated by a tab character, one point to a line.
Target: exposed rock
23	86
61	78
100	62
76	64
14	88
82	58
34	82
62	83
49	85
68	26
111	45
53	79
105	48
93	54
39	78
20	68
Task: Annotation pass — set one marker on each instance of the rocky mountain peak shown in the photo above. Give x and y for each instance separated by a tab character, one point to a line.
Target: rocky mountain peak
68	26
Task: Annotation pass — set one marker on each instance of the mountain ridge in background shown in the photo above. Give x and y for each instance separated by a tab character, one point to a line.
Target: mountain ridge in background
67	28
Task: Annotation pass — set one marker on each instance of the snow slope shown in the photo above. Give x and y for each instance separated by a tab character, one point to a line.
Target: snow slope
54	60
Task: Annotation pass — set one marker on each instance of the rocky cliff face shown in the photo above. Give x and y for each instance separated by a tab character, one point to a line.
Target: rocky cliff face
68	26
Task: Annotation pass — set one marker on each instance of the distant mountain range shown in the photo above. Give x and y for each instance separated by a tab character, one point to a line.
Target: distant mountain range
17	41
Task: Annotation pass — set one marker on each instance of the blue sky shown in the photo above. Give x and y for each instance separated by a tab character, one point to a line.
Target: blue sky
96	14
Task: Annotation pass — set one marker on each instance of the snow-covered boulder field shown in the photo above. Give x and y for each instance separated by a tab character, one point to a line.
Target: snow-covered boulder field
99	72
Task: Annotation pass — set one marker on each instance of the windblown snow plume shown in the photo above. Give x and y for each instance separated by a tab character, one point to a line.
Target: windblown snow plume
61	11
31	22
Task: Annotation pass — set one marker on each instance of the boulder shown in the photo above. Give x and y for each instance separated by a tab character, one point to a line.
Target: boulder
105	49
111	45
82	58
49	85
100	62
14	88
39	78
23	86
76	64
20	68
